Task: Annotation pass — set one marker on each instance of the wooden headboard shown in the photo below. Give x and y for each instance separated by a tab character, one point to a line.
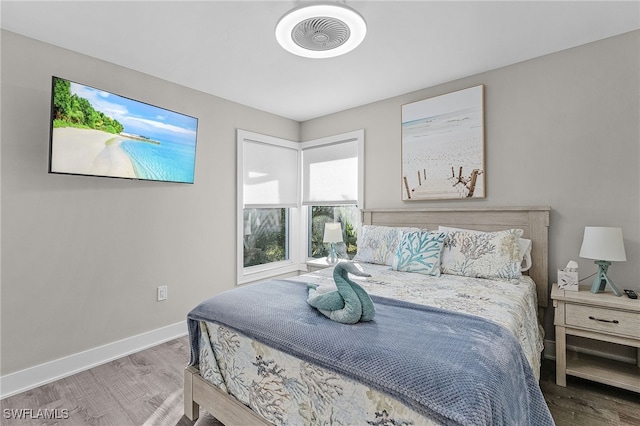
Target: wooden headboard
534	221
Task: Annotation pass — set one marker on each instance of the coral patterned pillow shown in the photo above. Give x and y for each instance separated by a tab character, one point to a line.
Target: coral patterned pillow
378	244
482	254
419	252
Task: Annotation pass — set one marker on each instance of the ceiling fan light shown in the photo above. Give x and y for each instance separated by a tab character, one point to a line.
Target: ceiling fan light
321	30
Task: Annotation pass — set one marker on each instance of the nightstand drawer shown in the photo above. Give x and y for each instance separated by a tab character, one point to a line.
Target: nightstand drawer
607	320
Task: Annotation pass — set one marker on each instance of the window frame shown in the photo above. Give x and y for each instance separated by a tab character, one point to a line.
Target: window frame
258	272
309	228
298	230
305	213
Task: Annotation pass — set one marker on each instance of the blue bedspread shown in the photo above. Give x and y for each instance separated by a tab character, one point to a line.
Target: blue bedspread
455	368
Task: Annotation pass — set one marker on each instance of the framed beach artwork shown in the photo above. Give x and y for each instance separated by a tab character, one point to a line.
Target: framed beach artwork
99	133
443	147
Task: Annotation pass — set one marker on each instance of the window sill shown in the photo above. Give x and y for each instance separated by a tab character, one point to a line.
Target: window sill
282	270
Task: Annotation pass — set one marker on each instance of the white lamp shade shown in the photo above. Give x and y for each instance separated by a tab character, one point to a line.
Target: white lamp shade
603	243
332	232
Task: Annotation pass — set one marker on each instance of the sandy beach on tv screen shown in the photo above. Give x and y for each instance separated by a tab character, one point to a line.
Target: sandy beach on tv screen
89	152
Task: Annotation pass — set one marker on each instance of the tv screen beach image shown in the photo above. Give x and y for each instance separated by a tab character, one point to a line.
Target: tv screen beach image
98	133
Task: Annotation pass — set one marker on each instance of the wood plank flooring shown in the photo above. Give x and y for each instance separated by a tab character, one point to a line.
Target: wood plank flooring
146	389
588	403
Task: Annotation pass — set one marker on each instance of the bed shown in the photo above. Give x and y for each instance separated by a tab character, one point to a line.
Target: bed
289	383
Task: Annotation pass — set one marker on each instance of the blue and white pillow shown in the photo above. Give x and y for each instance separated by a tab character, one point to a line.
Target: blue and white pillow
419	252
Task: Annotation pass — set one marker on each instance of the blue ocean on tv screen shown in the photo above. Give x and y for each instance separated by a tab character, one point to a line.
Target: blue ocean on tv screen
167	161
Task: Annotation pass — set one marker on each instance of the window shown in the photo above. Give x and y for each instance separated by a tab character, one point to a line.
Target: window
265	236
349	218
268	194
287	191
330	172
332	187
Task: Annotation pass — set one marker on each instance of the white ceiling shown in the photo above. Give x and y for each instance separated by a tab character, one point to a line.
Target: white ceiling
228	48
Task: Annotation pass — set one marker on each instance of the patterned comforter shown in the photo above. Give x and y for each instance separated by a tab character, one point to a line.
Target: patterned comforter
286	390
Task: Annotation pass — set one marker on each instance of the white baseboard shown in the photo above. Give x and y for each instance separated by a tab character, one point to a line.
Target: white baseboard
29	378
550	352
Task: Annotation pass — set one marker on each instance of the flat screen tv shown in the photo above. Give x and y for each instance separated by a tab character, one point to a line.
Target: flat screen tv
98	133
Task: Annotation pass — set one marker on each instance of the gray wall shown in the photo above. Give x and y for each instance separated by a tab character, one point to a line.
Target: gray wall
562	131
82	256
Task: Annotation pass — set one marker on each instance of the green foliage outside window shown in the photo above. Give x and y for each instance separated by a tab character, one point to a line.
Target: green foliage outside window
348	217
265	236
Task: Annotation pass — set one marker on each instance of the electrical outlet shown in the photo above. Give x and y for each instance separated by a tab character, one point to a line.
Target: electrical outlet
162	293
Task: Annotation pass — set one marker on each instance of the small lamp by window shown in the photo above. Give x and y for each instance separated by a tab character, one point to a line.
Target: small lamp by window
605	245
332	235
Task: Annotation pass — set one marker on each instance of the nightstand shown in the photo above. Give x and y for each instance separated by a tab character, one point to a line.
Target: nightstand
601	316
319	263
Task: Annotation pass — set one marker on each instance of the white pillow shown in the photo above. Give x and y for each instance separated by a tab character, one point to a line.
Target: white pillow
525	254
494	255
378	244
523	243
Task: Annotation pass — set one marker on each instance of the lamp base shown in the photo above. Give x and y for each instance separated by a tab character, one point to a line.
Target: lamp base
601	280
332	258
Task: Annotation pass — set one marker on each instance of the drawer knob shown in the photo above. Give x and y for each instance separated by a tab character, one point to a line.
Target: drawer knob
603	320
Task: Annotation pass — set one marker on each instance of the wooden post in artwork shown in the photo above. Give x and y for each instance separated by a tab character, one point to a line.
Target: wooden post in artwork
424	173
419	179
460	175
406	186
472	182
453	173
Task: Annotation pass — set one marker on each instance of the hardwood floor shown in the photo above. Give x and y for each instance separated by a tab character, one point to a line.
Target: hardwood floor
586	403
146	389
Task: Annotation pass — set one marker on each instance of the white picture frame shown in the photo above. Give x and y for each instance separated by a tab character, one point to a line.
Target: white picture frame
443	147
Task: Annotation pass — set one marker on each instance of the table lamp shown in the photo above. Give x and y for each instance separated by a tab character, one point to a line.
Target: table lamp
604	245
332	235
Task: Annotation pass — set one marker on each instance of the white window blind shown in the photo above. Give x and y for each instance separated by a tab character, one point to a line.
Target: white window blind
270	175
330	173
